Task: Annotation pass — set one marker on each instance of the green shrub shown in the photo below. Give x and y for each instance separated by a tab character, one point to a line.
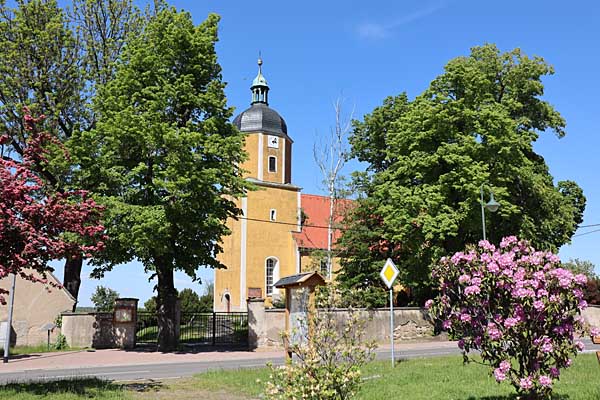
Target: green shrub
61	342
329	359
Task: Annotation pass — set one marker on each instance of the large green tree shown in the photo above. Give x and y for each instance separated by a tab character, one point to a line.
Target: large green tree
104	298
164	156
427	159
50	61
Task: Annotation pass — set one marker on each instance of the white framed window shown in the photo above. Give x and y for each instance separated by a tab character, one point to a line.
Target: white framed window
227	300
273	214
272	164
271	265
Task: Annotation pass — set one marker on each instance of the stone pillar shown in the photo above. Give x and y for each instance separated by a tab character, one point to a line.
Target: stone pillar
125	320
256	323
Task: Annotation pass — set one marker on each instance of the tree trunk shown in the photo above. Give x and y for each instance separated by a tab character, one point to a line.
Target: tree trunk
168	332
72	277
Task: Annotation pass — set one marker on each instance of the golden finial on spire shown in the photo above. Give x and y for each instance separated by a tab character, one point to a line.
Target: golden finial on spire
260	62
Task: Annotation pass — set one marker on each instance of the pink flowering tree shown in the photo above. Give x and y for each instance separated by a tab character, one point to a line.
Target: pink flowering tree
517	307
38	224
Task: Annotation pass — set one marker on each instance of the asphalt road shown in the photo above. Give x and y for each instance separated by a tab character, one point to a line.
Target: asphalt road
180	370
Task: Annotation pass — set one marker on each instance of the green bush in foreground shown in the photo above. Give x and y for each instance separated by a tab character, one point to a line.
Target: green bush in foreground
329	357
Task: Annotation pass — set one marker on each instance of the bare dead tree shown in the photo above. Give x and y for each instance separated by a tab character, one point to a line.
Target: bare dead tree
331	153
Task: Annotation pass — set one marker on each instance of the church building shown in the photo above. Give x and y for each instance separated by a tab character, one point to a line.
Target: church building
268	240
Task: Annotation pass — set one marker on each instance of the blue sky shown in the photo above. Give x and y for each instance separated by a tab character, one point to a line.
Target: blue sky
316	51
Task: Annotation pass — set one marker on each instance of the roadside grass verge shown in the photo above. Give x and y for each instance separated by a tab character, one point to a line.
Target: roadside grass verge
68	389
39	348
424	378
442	378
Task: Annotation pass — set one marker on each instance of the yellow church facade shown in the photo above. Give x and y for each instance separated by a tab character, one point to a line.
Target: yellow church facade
268	240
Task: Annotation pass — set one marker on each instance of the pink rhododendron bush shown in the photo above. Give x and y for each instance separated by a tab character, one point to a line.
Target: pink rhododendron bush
517	307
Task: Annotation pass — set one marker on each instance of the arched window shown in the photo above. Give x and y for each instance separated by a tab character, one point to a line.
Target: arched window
228	301
272	164
271	264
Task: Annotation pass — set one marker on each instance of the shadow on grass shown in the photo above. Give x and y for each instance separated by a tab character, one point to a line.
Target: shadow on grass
513	397
79	386
143	387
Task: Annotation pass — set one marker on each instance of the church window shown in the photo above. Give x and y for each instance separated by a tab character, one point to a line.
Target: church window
272	164
273	214
270	271
228	301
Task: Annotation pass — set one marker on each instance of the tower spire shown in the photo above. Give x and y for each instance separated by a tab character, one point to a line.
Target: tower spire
260	88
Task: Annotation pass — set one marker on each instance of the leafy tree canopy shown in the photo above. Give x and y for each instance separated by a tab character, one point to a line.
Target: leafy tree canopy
427	159
104	298
189	301
150	305
51	60
164	156
578	266
38	225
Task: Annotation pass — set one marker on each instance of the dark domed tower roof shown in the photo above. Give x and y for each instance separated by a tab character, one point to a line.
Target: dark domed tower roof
260	117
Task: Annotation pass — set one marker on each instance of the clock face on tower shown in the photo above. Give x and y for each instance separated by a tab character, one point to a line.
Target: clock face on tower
273	141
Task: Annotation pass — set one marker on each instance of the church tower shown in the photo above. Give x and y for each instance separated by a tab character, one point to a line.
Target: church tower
267	141
261	247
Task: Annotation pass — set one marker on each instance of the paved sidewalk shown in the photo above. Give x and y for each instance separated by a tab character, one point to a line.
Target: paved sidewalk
115	357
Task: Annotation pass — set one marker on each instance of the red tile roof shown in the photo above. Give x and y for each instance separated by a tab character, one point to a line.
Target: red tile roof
316	212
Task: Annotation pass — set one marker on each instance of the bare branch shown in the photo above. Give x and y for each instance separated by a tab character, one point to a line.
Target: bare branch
330	154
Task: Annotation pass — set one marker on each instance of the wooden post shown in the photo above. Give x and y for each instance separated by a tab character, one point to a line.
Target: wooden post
310	309
304	280
288	301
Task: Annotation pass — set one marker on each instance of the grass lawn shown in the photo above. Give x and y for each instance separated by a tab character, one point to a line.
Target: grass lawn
76	389
427	378
40	348
187	333
198	332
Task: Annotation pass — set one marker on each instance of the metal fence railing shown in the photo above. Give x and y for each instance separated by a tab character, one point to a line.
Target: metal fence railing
214	328
146	328
198	328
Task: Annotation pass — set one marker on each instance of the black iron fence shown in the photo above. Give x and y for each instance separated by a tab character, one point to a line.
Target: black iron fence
198	328
214	328
146	328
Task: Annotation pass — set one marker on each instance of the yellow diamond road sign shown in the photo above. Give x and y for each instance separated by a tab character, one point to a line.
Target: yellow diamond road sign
389	273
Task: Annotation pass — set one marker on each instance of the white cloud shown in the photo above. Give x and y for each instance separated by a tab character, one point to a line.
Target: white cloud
380	30
370	30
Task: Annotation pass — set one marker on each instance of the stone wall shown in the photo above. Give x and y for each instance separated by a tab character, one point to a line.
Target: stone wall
35	306
592	315
274	326
89	330
409	323
102	330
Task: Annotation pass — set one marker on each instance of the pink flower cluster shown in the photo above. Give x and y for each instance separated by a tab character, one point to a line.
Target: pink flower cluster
502	370
507	301
37	224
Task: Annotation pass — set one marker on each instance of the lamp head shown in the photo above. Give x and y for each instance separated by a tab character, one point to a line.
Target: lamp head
492	205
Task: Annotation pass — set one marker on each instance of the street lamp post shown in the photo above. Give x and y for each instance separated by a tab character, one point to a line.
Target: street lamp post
491	206
11	305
